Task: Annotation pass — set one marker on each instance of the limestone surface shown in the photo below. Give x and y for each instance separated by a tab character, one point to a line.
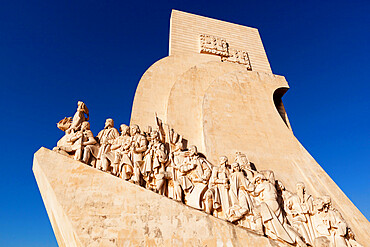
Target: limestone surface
88	207
224	108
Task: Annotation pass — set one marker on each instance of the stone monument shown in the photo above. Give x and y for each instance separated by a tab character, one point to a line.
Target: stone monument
209	158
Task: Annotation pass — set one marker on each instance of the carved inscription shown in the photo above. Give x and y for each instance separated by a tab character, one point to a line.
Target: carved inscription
238	56
218	46
213	45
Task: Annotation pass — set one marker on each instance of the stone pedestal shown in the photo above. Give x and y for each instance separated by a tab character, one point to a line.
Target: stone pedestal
88	207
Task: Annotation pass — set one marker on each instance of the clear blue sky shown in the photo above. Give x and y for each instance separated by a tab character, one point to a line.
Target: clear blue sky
54	53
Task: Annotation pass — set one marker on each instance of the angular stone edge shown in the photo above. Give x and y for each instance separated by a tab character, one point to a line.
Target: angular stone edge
64	225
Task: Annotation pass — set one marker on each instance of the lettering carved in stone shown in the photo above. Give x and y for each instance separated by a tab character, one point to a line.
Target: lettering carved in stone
158	160
218	46
213	45
238	56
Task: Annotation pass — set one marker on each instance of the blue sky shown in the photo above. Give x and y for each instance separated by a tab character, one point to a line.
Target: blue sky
54	53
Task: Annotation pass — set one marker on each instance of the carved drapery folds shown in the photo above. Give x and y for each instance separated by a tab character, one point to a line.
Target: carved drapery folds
218	46
236	191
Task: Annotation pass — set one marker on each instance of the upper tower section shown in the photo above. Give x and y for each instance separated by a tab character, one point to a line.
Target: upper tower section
219	40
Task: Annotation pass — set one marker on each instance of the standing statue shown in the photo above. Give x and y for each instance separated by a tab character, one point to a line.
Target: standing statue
219	189
122	155
329	223
106	138
177	157
154	164
137	149
299	210
199	177
245	165
118	153
85	142
242	210
273	219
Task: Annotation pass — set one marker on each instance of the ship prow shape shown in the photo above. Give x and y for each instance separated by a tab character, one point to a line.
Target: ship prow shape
88	207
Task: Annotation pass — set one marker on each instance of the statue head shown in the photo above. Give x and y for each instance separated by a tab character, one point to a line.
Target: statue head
178	146
134	128
109	123
318	203
154	135
124	129
85	125
193	150
235	167
82	107
223	160
300	188
242	159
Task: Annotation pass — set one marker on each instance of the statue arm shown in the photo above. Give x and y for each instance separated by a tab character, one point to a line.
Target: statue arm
75	137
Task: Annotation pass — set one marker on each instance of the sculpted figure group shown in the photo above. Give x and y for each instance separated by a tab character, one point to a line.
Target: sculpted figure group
158	160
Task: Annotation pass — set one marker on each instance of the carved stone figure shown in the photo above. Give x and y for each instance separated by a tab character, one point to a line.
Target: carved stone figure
273	219
184	168
240	194
242	210
177	157
118	156
79	144
154	164
299	209
351	241
329	224
106	138
199	176
70	126
86	141
137	149
122	155
79	117
219	188
245	165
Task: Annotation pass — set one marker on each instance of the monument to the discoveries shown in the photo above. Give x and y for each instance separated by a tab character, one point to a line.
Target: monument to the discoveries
209	158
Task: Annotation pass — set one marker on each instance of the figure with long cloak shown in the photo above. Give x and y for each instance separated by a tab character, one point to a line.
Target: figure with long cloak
242	210
118	156
105	138
199	177
139	145
272	215
299	209
155	159
219	189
